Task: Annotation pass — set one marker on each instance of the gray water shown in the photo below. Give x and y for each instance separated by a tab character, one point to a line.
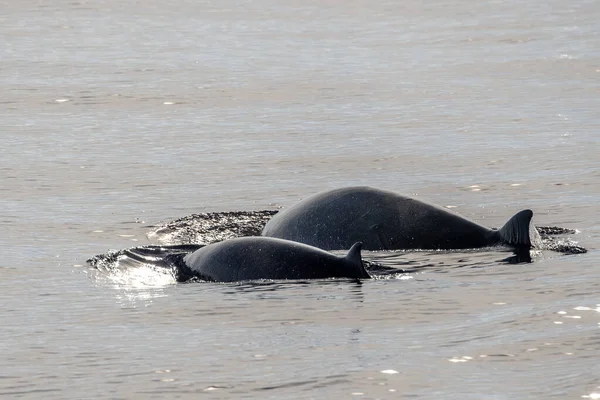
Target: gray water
117	116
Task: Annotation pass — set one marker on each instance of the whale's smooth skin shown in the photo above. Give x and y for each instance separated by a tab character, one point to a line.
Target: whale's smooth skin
256	257
384	220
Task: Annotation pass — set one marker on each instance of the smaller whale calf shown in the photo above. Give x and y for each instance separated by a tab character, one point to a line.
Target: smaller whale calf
256	257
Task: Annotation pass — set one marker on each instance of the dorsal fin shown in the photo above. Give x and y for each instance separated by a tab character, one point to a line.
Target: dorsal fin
355	258
519	231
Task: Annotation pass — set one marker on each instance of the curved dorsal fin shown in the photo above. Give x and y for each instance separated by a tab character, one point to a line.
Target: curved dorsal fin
519	231
355	259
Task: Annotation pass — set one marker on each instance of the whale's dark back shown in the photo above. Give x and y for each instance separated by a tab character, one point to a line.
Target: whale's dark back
381	220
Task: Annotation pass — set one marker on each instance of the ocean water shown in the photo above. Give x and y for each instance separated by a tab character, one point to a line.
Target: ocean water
118	116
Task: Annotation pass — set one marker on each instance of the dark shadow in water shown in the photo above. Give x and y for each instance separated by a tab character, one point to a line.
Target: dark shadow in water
272	286
269	290
519	257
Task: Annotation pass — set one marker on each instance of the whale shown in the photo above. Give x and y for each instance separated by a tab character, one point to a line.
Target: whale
384	220
257	257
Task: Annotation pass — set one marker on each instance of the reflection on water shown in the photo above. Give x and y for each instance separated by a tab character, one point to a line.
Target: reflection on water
141	277
128	297
135	284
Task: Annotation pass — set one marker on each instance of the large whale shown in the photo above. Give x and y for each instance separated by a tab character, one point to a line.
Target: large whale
256	257
384	220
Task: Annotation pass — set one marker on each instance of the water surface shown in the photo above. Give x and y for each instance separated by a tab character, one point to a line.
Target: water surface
118	116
